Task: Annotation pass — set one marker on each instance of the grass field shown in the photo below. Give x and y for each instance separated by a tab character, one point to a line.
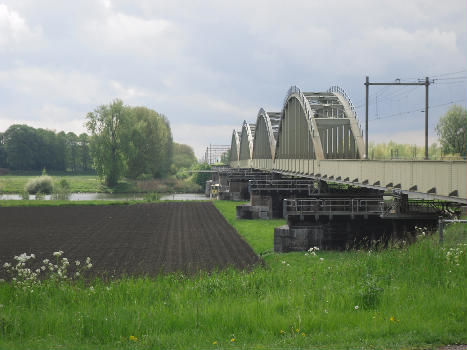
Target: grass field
78	183
413	297
15	183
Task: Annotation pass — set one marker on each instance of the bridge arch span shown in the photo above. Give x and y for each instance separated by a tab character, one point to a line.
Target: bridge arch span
351	114
235	147
298	136
246	144
264	144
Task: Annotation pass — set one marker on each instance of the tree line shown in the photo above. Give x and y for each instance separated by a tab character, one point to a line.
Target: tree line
25	148
123	141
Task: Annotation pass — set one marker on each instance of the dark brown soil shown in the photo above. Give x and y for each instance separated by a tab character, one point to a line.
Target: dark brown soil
143	239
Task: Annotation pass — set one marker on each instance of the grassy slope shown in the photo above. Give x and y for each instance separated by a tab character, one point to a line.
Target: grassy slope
411	297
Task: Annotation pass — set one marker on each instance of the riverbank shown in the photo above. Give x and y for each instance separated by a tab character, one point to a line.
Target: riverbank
15	184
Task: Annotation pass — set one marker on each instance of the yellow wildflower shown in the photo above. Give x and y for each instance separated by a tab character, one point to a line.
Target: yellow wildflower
303	334
392	319
282	331
297	330
214	342
232	340
133	338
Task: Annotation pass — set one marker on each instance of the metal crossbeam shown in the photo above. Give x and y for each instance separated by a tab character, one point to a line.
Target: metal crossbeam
334	206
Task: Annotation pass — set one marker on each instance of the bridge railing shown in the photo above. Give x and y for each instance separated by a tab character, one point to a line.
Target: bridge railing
334	206
283	185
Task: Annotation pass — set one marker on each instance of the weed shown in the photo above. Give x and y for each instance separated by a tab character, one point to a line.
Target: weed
152	197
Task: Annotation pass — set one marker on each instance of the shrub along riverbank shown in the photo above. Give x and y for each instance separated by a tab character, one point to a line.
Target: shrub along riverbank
395	298
91	183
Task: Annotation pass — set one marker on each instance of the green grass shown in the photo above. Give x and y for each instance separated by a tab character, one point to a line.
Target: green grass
78	183
412	297
258	233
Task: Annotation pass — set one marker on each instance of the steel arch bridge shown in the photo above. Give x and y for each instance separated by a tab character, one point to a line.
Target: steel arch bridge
317	135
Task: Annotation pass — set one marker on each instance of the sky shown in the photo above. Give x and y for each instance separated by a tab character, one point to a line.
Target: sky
210	65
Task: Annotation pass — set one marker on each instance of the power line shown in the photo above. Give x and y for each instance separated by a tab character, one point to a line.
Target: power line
444	74
420	109
453	78
403	91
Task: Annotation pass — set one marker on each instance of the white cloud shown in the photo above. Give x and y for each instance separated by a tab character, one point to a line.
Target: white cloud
383	47
201	136
73	87
132	36
50	117
15	32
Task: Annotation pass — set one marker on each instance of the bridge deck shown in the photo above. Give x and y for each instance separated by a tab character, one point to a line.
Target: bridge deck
446	180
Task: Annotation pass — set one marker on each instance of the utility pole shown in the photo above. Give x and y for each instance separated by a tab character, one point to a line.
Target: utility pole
367	86
427	83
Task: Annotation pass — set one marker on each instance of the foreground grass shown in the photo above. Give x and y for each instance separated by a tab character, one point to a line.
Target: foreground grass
398	298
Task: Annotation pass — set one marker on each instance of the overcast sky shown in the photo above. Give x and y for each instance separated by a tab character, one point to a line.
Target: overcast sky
209	65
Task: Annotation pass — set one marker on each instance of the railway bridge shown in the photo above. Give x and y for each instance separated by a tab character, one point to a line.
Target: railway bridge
316	137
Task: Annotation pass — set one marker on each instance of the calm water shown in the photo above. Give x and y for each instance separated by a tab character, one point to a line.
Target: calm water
115	196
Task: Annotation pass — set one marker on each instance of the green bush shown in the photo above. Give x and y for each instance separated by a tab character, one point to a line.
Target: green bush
62	190
43	184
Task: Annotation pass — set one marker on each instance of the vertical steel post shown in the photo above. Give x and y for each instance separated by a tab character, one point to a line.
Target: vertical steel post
440	229
427	83
367	85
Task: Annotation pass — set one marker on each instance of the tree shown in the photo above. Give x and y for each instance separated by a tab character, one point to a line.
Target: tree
201	178
106	125
3	162
452	131
225	157
183	156
84	152
72	144
148	143
21	143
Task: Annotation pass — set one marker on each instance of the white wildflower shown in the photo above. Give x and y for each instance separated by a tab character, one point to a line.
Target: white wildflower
45	261
356	307
321	259
6	265
77	262
58	254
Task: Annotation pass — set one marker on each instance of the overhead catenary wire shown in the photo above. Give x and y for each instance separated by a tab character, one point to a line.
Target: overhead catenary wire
420	109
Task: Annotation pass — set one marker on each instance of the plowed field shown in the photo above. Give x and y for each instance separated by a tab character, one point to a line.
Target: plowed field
143	239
